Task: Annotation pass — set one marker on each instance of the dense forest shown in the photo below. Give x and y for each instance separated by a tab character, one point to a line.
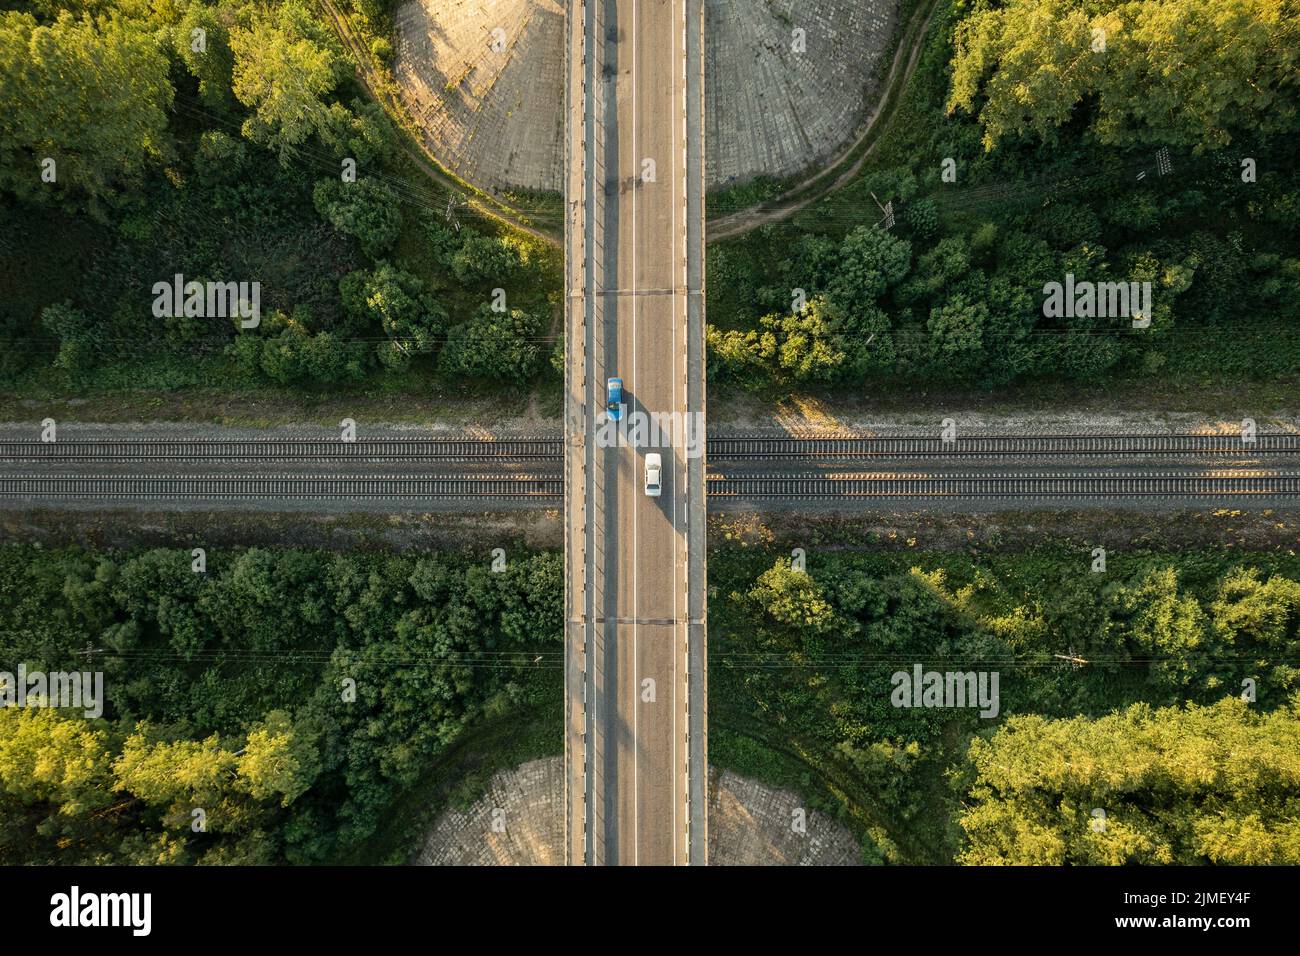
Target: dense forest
1183	786
231	142
228	691
800	667
293	696
1110	140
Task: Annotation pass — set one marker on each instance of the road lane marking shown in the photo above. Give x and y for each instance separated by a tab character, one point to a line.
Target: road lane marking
636	710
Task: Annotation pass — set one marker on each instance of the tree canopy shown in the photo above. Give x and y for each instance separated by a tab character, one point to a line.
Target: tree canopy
291	696
90	95
285	64
1183	786
1157	72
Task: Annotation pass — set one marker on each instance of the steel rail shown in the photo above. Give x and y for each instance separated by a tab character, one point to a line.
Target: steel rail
1020	486
545	448
271	487
884	485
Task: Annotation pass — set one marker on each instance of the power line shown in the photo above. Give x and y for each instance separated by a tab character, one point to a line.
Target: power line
841	207
414	194
542	659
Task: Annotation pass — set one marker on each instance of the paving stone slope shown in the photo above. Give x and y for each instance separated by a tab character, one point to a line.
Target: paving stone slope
518	822
776	112
493	118
491	103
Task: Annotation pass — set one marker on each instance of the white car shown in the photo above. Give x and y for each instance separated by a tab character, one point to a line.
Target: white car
653	474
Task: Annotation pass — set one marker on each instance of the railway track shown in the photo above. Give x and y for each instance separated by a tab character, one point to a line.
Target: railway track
847	447
273	487
544	448
1217	485
462	449
1228	484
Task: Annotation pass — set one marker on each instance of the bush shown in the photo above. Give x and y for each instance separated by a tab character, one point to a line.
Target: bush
485	259
365	209
80	340
396	300
499	345
220	158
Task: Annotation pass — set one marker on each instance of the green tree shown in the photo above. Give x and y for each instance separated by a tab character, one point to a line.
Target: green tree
957	332
80	339
286	350
90	95
50	757
285	64
744	358
808	347
362	133
179	776
202	41
922	216
871	261
500	345
793	598
366	209
276	761
937	269
485	259
1178	786
219	158
1172	72
1166	627
396	300
1255	612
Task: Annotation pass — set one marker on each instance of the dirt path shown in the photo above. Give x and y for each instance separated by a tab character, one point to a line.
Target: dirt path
799	197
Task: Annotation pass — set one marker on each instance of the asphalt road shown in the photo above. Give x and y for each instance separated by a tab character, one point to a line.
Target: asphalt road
635	646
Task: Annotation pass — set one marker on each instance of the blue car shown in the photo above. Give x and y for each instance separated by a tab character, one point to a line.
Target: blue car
614	404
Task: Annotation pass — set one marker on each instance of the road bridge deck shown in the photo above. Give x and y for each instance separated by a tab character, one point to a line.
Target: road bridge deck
635	589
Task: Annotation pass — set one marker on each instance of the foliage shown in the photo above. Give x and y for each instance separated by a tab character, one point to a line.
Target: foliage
79	337
870	261
802	665
822	342
229	691
1180	786
285	64
395	299
1067	182
90	95
1168	73
287	352
201	39
366	209
484	259
501	345
220	135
